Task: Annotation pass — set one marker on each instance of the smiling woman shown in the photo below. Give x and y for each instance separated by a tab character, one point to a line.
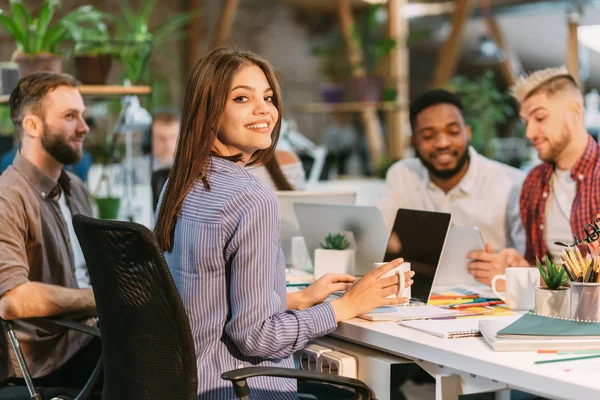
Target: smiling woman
219	229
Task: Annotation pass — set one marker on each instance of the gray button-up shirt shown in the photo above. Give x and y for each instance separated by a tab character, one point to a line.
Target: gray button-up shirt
35	246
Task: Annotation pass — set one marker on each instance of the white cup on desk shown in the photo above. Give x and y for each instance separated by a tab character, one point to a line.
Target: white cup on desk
521	283
400	270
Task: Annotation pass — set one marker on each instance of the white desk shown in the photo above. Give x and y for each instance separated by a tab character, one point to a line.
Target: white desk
469	366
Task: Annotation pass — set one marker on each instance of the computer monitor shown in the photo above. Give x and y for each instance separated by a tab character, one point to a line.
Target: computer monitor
419	238
289	222
365	222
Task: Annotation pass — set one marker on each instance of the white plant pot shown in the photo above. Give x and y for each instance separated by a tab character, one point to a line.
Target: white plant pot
334	261
553	303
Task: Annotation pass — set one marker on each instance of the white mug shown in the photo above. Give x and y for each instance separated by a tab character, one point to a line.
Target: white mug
400	270
521	283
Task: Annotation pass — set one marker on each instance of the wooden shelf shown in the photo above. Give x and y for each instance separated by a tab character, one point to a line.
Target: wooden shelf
329	5
113	90
346	107
104	91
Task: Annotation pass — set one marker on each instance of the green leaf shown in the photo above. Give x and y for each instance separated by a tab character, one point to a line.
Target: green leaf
46	14
145	11
14	30
20	13
172	25
543	272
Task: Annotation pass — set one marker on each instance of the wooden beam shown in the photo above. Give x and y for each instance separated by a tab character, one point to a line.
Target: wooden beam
223	29
194	34
368	116
573	46
511	64
398	77
448	56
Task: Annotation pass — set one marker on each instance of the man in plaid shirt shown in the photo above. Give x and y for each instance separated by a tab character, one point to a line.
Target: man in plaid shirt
562	194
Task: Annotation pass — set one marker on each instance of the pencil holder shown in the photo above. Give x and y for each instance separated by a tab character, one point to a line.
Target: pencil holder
585	301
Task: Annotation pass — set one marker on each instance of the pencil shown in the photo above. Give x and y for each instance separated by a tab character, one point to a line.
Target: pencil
567	359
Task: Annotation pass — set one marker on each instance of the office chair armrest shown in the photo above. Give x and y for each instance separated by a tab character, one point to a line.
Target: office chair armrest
238	379
88	389
66	323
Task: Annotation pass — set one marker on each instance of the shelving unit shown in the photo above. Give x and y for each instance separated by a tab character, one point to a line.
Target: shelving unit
347	107
105	91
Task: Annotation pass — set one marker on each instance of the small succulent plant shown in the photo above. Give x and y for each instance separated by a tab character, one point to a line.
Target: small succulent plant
335	242
553	275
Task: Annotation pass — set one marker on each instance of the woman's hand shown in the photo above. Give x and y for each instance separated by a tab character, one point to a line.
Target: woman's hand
319	290
371	292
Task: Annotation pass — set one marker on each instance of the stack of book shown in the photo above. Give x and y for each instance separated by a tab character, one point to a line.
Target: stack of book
533	332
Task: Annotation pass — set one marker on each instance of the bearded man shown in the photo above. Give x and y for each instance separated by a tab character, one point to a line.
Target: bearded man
561	195
450	176
42	269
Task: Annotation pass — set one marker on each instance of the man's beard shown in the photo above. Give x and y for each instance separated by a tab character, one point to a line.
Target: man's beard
445	173
557	148
58	147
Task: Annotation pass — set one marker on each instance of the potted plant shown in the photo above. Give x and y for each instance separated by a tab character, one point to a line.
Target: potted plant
486	107
7	131
139	40
334	256
93	52
331	53
370	34
552	300
38	39
106	151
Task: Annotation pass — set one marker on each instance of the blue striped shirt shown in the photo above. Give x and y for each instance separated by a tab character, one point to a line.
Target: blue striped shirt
229	268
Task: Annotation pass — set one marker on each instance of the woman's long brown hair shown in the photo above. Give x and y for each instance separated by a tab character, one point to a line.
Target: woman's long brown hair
276	174
205	98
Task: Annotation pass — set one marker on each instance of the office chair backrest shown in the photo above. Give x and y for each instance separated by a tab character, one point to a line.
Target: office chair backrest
146	339
159	177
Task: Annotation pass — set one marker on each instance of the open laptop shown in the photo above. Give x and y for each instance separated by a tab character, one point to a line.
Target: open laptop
369	234
419	237
289	222
452	272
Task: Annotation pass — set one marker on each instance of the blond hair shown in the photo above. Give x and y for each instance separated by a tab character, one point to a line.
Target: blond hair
549	81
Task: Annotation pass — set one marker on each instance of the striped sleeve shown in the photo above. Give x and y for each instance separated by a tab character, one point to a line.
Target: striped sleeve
260	325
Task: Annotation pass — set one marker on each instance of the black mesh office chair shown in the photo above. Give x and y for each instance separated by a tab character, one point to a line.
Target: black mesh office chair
159	177
147	343
29	391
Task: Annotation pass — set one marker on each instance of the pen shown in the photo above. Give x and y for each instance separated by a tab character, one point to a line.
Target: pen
476	304
567	359
453	297
568	352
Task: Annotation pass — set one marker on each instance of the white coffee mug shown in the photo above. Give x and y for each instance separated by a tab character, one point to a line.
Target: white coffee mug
521	283
400	270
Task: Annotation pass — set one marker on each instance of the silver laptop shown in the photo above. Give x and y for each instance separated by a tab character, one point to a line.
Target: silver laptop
452	272
289	222
419	237
369	234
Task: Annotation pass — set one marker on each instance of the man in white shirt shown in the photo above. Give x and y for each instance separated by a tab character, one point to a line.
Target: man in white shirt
449	176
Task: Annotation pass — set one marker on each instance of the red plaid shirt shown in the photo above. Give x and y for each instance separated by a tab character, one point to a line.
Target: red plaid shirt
536	189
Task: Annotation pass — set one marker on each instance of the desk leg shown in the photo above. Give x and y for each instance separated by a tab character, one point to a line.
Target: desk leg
447	387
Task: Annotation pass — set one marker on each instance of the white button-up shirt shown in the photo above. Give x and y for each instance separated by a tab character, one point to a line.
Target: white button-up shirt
486	197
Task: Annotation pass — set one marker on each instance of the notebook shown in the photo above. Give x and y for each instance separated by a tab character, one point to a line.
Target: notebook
542	327
447	329
392	313
489	329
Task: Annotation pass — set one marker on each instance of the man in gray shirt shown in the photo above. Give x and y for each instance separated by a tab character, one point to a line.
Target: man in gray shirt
42	271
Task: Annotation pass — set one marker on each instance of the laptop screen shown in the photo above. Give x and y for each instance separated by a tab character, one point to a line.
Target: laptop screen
418	237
